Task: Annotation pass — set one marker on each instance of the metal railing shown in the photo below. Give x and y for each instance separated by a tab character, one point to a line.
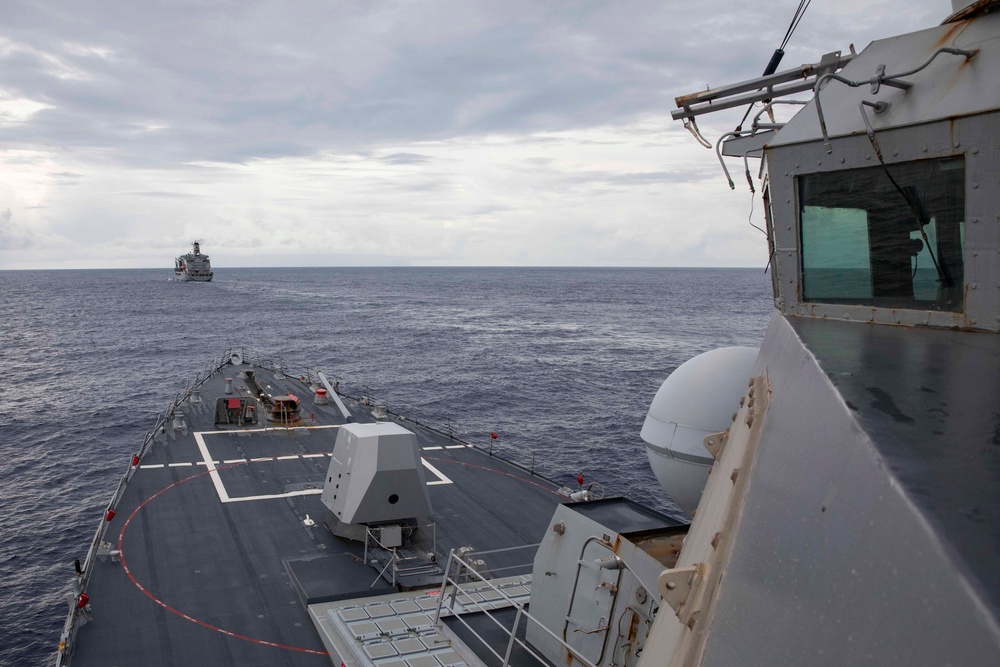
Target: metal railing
466	571
371	539
524	458
77	605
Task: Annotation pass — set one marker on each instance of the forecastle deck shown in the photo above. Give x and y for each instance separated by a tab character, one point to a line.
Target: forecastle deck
202	548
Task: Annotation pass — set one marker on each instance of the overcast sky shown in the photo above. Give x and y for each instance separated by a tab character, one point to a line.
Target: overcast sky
325	133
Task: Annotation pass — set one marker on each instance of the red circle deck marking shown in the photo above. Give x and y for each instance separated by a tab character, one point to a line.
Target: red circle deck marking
209	626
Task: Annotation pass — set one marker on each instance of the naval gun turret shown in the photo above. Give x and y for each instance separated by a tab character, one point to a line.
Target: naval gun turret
375	485
376	493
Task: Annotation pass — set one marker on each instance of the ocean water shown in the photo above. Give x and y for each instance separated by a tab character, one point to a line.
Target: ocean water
562	363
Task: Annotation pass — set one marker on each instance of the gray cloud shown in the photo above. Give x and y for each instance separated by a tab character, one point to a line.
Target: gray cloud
517	118
405	158
232	83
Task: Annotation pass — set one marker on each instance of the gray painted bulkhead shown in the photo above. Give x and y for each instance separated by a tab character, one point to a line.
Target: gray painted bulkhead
869	530
835	563
604	613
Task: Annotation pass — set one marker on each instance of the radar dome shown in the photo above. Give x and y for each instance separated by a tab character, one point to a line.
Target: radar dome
697	399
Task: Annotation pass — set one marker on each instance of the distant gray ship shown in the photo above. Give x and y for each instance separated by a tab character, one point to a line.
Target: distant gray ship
852	511
193	266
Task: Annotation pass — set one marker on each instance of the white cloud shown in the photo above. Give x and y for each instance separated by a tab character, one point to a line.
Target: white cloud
393	132
18	110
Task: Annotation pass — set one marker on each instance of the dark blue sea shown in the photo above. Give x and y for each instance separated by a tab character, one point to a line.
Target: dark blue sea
562	363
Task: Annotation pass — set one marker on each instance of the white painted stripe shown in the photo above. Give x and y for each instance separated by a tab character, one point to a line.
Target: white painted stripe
212	471
235	461
314	456
266	458
441	478
455	447
286	458
181	465
305	492
266	430
201	463
430	449
151	465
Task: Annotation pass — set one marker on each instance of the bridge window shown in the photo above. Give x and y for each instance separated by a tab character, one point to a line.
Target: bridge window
896	242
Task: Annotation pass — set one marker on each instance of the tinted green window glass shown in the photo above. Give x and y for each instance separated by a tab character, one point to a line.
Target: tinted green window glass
869	241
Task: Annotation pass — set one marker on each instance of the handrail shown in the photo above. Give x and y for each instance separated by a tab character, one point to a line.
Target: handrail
454	558
82	578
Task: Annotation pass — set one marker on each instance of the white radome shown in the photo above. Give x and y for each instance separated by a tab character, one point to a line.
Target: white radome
697	399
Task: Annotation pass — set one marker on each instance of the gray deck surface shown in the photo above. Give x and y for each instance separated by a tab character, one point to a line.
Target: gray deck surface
212	562
930	401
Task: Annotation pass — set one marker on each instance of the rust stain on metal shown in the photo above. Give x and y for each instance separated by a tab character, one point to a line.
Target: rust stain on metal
949	35
633	629
685	100
966	13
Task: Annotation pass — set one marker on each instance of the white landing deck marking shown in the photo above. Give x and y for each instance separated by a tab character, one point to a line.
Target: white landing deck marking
441	478
220	488
269	430
304	492
180	465
147	466
430	449
210	465
454	446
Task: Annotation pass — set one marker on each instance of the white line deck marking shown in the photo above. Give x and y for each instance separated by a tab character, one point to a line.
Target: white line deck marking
454	446
428	449
220	488
151	465
305	492
268	430
180	465
441	478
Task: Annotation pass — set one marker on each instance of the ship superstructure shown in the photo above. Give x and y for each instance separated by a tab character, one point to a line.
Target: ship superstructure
193	266
852	513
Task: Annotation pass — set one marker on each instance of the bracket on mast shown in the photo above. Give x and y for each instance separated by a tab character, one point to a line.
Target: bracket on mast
779	84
